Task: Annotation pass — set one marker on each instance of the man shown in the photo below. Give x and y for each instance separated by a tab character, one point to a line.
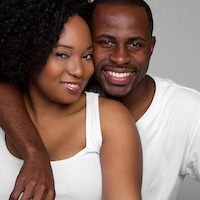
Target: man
167	114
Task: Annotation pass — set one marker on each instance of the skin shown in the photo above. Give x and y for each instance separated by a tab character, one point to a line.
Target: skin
121	155
55	102
124	53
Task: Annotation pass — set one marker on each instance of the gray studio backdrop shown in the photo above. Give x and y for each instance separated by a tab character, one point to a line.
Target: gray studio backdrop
177	54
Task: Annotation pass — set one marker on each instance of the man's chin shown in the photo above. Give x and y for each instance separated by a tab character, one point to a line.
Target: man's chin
116	93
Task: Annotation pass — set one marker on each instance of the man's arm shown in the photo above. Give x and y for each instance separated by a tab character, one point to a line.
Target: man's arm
35	177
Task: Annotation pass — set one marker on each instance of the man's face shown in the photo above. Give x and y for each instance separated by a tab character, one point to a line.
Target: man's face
122	47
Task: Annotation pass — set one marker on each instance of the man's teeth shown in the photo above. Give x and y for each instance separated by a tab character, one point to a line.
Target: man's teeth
119	75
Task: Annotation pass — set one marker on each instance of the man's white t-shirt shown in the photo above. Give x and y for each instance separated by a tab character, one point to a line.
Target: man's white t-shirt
170	136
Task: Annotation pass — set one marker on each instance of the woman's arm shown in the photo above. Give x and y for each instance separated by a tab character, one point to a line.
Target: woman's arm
35	177
121	154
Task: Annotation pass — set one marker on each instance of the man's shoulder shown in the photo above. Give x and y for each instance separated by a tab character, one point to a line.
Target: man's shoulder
165	83
175	91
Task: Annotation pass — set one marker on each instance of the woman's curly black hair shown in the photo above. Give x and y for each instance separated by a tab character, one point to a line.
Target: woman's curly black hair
29	30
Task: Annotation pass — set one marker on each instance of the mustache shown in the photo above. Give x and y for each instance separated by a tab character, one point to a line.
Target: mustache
119	66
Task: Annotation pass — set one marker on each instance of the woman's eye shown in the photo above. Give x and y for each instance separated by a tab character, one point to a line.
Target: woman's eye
88	56
62	55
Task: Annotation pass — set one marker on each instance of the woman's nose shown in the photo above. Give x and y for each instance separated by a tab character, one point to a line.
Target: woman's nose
75	68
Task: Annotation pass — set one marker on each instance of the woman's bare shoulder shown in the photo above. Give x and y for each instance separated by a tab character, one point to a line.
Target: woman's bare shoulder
112	107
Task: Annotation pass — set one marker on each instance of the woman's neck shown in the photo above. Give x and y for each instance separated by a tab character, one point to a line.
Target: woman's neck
42	110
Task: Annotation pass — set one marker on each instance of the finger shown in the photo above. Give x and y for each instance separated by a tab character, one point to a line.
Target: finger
50	195
18	189
40	193
29	191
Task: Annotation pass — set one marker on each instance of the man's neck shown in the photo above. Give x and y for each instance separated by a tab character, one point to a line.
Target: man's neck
141	97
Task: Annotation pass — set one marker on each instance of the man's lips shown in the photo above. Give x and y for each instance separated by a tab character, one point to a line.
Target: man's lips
118	78
119	75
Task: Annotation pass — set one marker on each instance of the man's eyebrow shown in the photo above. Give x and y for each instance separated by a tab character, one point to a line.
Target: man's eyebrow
71	47
136	38
113	38
105	36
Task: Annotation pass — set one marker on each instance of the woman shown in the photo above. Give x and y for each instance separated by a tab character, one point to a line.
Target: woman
93	146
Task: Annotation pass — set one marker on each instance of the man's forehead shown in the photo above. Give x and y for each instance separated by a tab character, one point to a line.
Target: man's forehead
118	10
119	15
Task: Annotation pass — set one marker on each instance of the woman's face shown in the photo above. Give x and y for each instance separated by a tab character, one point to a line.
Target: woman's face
69	65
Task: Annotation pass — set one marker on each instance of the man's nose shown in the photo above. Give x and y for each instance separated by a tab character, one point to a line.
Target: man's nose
120	55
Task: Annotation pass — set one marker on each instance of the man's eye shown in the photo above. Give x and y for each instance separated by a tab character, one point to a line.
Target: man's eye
61	55
106	43
88	56
135	44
